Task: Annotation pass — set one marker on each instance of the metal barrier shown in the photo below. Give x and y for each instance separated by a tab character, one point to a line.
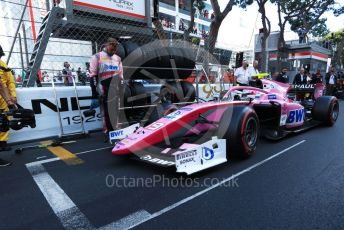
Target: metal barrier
62	133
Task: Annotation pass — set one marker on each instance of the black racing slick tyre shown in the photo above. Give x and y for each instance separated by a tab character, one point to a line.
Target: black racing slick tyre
326	110
240	127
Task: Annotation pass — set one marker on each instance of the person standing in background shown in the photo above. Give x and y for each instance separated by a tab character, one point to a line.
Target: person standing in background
242	74
228	76
8	101
300	78
254	69
106	66
317	77
283	77
67	74
331	82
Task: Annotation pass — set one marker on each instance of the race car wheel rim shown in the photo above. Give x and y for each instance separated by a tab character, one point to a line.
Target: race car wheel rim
251	132
335	111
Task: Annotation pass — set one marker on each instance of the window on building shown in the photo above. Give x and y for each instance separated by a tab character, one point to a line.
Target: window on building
204	30
184	5
168	2
167	21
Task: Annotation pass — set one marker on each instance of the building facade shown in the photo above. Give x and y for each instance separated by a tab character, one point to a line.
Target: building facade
84	26
311	55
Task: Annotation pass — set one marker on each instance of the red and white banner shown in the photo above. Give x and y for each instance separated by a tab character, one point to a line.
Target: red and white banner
131	8
304	55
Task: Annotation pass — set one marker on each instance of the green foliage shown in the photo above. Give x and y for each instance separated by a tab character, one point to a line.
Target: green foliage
339	11
195	41
243	3
307	14
318	30
337	36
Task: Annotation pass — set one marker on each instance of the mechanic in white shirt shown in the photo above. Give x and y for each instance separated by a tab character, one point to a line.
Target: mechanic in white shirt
254	68
243	74
331	81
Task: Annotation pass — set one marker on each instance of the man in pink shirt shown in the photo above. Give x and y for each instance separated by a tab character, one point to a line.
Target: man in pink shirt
105	67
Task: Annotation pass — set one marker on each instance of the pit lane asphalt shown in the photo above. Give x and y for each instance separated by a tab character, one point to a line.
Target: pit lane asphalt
301	188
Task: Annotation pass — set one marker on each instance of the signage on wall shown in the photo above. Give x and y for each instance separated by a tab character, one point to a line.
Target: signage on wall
128	8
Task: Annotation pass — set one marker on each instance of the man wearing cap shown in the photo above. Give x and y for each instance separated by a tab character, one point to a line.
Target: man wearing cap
106	66
7	100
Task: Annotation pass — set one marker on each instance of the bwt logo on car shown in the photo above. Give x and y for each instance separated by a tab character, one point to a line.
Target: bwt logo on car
124	2
296	116
208	153
116	133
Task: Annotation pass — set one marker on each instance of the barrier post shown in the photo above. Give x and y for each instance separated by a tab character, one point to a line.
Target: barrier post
78	104
58	108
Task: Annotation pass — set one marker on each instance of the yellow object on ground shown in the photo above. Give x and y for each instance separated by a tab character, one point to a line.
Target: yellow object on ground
65	155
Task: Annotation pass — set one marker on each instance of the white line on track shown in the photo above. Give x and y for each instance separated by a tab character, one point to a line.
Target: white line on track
127	221
69	214
57	159
185	200
72	218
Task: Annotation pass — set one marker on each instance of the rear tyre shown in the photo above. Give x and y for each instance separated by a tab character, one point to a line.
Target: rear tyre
240	127
326	110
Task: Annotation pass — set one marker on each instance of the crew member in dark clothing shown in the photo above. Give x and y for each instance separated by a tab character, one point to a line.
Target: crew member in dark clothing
283	77
331	81
317	77
300	78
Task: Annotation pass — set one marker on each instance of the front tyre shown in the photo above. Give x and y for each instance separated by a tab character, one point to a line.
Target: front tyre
326	110
240	127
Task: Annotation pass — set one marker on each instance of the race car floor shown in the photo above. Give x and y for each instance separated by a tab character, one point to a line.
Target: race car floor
296	183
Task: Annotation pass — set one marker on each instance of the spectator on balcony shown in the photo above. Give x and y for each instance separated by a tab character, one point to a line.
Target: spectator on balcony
57	2
301	32
212	16
194	30
181	4
206	13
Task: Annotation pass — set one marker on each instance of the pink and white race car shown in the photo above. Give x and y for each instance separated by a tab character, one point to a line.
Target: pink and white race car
202	135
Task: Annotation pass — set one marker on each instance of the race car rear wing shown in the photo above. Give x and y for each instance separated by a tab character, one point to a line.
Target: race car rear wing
302	88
